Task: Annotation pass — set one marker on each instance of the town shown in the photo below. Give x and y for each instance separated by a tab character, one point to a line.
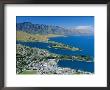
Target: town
41	61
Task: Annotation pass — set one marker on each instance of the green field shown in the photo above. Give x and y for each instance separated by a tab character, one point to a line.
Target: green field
29	72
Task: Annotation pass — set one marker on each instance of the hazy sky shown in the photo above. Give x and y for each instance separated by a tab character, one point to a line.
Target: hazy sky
64	21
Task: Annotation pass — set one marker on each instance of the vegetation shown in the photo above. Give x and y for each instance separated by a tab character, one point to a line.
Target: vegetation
23	36
35	60
63	46
27	58
29	72
57	45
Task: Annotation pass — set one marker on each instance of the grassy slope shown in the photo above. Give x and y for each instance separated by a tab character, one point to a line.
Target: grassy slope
23	36
29	72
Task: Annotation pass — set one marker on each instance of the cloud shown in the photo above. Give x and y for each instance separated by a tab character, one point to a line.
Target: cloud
84	27
84	30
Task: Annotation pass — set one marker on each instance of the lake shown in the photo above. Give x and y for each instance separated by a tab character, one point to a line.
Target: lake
78	65
86	43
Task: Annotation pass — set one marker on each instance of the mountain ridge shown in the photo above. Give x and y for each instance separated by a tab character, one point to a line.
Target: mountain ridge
50	29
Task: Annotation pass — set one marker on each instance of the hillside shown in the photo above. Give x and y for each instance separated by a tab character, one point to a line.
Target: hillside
23	36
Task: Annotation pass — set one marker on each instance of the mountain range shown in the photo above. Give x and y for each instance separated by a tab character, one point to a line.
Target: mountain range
51	29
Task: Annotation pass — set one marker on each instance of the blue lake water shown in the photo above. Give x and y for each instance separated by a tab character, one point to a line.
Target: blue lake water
86	43
78	65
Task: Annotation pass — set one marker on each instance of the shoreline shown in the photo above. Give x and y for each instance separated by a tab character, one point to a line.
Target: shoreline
47	60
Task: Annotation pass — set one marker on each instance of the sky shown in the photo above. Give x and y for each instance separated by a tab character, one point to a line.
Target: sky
64	21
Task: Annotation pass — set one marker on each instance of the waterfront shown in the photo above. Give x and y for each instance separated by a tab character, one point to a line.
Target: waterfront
84	42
